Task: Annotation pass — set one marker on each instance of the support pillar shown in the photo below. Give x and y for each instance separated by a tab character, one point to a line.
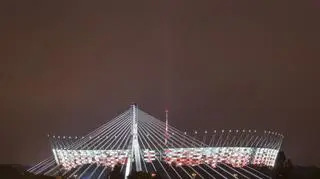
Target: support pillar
135	142
135	148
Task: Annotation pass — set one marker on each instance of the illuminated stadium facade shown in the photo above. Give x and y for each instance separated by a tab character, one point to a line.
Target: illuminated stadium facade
137	141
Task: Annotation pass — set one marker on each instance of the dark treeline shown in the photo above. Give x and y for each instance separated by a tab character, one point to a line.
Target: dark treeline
18	172
285	169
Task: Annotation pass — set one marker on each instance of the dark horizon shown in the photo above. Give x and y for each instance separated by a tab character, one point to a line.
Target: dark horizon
67	68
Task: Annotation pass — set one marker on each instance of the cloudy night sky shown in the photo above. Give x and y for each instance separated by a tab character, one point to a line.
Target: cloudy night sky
68	67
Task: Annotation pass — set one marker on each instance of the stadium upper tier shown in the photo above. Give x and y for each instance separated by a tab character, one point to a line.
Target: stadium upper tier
140	142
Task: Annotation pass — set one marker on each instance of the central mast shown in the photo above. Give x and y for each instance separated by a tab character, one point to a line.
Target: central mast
134	155
135	142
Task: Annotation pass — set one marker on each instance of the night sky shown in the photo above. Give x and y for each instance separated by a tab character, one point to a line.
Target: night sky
66	68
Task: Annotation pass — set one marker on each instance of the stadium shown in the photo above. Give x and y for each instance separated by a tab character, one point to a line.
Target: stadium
135	141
